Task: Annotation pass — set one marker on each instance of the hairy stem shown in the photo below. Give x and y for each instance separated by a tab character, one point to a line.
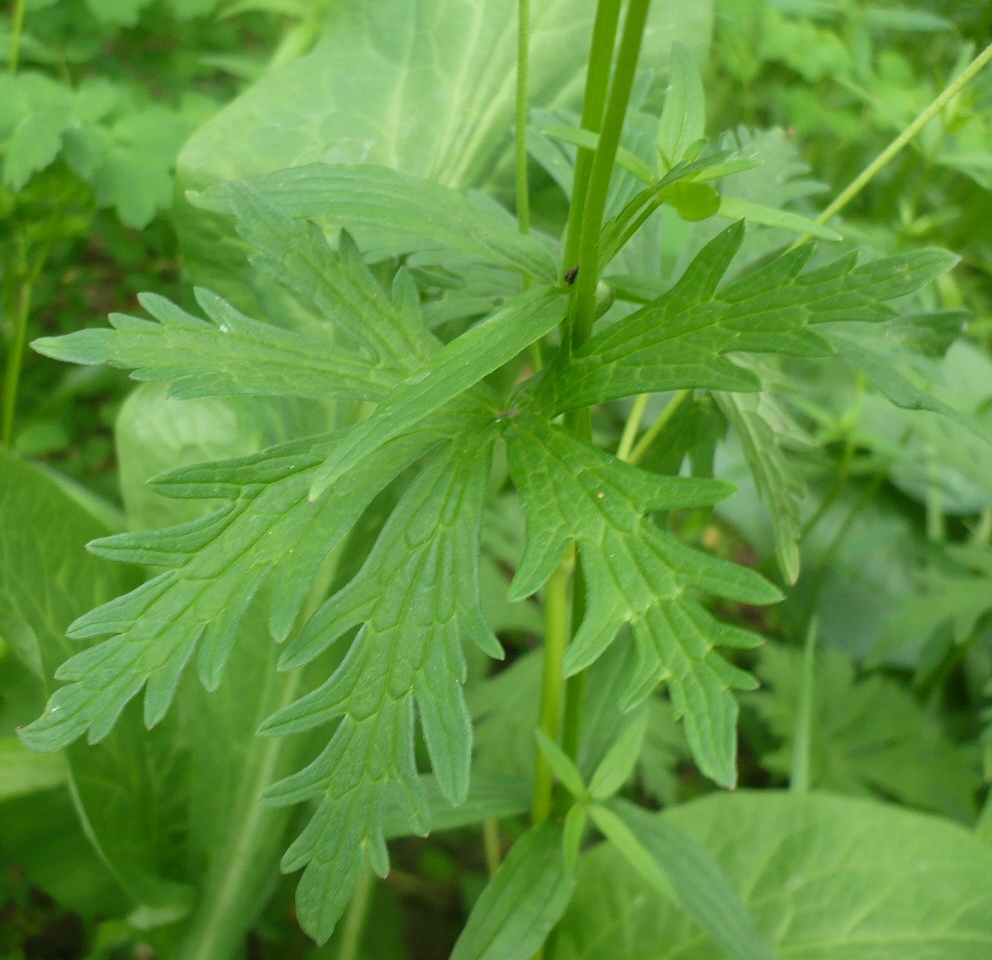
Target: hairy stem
15	358
557	633
523	60
940	101
354	920
602	169
16	31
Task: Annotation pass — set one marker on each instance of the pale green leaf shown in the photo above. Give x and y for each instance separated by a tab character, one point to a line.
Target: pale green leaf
417	212
683	116
561	765
22	772
702	890
47	579
733	208
626	842
521	904
824	876
616	767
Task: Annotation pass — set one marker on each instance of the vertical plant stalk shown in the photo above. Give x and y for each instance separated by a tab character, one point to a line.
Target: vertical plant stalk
651	434
15	357
802	740
939	102
16	31
491	843
631	427
557	633
523	62
604	34
354	920
602	170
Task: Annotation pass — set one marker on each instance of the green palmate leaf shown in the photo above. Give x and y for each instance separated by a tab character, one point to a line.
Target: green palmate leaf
267	530
339	288
417	599
825	877
683	116
765	428
231	354
636	574
680	340
413	213
525	899
867	736
459	365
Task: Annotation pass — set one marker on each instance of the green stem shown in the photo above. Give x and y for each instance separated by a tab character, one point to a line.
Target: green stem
16	30
523	59
651	434
631	427
869	172
602	170
354	920
799	776
15	358
604	34
490	840
557	632
575	686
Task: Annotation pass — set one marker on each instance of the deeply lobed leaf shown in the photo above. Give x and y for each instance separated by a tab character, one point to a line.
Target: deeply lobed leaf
638	575
417	601
681	339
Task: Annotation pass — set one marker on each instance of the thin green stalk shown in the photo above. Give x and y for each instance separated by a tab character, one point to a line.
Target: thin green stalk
523	60
354	919
16	31
940	101
631	427
651	434
602	169
799	775
490	840
575	686
15	357
604	34
557	633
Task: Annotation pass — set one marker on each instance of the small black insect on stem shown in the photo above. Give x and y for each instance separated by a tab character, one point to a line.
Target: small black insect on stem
571	274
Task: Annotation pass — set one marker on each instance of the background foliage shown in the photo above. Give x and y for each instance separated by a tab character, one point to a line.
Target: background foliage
873	517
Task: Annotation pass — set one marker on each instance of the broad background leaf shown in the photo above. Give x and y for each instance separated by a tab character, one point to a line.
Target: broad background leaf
825	877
